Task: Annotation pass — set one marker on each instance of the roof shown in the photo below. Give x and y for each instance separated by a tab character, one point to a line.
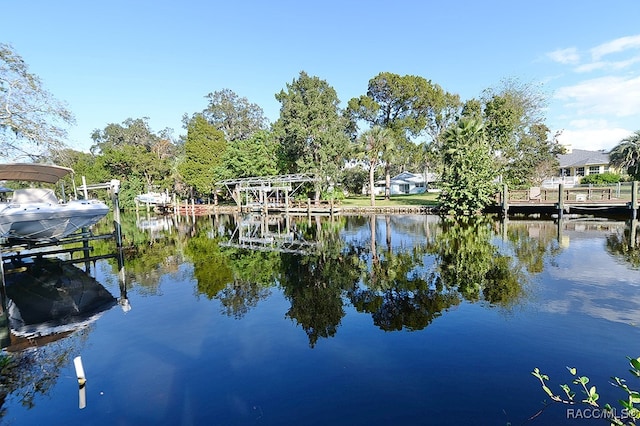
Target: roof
33	172
582	157
409	178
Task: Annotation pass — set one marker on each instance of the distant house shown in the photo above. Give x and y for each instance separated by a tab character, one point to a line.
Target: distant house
580	162
577	163
406	183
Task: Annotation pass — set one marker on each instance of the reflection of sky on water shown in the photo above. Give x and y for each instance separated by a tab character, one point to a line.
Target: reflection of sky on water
178	358
584	278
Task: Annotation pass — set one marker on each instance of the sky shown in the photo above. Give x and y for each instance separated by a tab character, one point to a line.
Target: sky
119	59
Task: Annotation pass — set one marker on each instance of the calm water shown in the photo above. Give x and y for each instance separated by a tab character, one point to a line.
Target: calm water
352	321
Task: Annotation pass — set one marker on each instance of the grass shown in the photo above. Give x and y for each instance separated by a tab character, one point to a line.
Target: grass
425	199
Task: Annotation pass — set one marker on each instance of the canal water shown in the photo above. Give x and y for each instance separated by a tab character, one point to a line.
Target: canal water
373	320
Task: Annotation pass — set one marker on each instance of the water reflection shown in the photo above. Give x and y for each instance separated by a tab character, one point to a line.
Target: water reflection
48	307
624	244
45	298
404	271
399	273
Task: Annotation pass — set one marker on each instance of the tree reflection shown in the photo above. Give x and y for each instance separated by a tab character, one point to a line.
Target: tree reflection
626	245
469	262
532	243
395	290
238	278
315	284
398	296
26	374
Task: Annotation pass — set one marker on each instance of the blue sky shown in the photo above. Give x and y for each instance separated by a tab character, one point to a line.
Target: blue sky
118	59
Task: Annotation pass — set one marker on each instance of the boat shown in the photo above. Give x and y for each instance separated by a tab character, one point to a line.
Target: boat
36	214
153	198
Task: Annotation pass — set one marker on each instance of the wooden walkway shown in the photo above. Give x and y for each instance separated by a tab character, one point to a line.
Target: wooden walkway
594	199
620	199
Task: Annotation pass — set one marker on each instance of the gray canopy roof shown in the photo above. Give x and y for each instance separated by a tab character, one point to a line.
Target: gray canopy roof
33	172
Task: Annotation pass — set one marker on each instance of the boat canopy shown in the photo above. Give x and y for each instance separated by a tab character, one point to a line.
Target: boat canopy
33	172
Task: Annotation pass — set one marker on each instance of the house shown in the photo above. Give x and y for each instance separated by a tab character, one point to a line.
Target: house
576	163
580	162
406	183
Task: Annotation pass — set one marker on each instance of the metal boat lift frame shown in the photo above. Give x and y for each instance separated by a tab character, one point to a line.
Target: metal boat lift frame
265	192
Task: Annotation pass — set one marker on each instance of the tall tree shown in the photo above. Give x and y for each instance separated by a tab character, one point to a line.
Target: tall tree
468	171
133	150
203	151
311	129
374	143
256	156
235	116
626	155
407	105
130	132
32	121
514	123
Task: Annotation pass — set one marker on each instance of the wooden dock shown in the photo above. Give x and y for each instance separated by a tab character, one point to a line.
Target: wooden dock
617	199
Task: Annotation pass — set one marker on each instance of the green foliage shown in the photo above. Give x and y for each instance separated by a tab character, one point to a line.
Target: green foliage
515	129
311	130
601	179
626	155
204	149
32	121
315	283
630	405
353	179
376	146
234	116
626	246
256	156
131	152
471	264
408	106
468	169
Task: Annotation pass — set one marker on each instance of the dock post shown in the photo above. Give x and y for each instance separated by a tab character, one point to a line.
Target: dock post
309	208
505	200
115	189
560	200
5	329
286	201
634	199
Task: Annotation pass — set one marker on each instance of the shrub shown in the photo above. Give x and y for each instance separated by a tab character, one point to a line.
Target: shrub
600	179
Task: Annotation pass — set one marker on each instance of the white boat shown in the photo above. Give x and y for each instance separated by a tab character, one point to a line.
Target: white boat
153	198
36	214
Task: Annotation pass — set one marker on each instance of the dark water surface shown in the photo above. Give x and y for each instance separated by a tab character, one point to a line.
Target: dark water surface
346	321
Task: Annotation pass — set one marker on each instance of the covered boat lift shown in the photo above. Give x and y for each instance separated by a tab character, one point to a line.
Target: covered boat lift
266	192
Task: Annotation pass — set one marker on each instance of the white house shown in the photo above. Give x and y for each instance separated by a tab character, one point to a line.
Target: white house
405	183
577	163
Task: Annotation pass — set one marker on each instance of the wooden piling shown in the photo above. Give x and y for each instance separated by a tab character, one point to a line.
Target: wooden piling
560	199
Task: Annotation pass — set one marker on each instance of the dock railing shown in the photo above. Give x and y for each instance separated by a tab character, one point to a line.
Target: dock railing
614	195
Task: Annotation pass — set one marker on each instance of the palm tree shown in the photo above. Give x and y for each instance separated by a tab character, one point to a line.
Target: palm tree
626	155
375	144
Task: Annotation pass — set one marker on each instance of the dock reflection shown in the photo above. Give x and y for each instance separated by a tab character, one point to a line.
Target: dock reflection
278	233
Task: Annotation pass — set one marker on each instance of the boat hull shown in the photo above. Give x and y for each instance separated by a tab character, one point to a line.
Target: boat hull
49	222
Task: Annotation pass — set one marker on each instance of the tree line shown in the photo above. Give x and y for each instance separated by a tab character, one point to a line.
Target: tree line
402	122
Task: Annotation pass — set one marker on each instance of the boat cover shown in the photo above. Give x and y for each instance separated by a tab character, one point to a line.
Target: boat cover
33	172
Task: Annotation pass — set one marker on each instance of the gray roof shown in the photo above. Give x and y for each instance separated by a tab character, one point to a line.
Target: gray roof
582	157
